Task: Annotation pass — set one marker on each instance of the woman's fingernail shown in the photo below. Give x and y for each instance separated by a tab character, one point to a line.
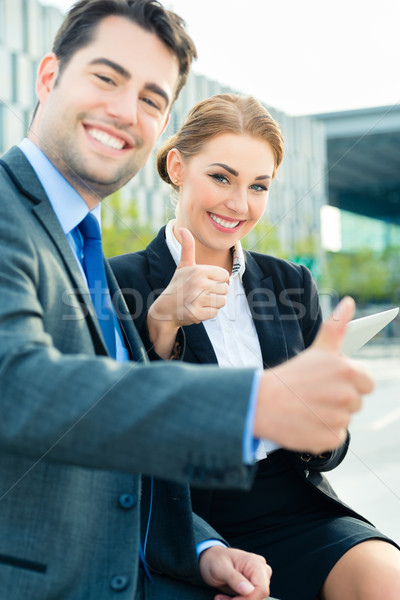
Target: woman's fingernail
245	587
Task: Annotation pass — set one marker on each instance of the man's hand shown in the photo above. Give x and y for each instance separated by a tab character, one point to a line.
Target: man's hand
241	574
306	403
194	294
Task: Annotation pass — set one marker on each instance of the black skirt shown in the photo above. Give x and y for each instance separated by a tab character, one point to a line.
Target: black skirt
301	532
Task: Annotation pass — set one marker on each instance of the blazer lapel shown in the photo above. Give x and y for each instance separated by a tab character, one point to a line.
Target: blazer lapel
24	177
261	296
162	267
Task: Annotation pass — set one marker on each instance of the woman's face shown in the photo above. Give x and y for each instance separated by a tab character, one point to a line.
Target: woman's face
223	189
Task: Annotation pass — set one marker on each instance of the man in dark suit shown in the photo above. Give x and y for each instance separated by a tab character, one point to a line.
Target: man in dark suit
76	425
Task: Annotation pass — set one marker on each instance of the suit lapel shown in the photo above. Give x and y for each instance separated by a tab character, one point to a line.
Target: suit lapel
199	344
161	270
24	177
262	299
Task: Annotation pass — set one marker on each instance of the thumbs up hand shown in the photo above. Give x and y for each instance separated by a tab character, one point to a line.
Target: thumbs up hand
332	332
194	294
188	254
306	403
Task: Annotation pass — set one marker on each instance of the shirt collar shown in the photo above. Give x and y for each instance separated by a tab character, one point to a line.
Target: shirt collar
238	267
69	206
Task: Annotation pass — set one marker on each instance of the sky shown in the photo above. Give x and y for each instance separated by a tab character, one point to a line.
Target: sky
298	56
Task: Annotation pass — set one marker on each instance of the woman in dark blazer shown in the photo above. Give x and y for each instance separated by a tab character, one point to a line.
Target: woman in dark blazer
241	308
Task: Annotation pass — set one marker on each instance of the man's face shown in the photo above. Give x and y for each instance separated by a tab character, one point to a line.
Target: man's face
99	119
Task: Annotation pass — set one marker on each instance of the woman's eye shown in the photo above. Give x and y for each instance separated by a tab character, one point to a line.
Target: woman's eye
219	177
258	187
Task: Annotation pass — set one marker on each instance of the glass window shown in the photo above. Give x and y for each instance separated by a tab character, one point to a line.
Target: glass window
2	20
25	27
14	77
2	149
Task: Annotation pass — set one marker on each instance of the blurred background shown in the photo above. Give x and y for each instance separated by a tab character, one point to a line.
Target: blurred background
328	72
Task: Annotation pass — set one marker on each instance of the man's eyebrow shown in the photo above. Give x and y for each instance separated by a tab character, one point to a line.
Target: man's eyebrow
229	169
113	65
151	87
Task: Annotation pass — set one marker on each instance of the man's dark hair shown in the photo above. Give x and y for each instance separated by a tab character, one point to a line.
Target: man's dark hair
79	29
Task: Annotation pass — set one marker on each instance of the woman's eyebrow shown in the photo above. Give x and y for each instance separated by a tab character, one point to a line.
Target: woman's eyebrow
229	169
235	173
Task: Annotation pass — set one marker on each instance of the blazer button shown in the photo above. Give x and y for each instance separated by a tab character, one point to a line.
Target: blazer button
119	583
127	501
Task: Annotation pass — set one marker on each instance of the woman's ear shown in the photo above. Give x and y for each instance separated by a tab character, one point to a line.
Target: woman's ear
175	166
47	76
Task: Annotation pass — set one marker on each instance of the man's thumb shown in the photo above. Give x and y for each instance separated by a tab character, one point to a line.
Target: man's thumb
188	256
332	331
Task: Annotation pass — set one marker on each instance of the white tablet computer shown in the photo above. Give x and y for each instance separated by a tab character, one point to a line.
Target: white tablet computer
360	331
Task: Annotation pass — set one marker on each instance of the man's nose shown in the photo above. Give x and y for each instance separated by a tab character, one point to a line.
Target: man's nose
124	107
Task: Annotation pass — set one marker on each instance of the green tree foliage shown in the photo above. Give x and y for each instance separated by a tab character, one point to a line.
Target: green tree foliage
366	275
264	238
121	230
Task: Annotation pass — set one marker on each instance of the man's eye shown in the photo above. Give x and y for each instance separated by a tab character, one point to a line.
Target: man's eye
105	79
219	177
151	103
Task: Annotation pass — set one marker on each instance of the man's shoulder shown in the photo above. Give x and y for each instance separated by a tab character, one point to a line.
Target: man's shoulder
14	158
17	173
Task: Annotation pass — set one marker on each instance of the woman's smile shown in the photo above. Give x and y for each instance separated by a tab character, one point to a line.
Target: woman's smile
225	224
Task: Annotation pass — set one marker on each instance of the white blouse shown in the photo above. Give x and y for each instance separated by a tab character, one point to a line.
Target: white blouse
232	332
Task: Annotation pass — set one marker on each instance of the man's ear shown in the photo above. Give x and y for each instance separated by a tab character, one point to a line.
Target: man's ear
175	166
166	123
47	75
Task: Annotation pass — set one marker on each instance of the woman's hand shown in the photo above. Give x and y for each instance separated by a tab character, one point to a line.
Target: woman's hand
194	294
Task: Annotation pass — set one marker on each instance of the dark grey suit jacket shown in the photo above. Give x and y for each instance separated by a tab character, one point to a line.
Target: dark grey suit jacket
284	303
76	428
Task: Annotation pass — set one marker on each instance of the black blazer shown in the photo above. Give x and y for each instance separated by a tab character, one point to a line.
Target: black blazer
284	303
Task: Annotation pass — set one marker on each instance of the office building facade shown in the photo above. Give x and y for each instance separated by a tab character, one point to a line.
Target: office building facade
26	32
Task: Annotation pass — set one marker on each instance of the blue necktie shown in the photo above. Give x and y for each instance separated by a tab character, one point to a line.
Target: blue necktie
93	265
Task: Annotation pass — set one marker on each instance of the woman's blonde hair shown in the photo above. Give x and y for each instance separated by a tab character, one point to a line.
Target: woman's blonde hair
219	114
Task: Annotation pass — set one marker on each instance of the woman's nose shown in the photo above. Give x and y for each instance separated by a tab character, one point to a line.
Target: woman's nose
237	201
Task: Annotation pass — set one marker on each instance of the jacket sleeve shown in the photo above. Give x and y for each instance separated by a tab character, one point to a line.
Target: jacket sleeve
173	532
61	402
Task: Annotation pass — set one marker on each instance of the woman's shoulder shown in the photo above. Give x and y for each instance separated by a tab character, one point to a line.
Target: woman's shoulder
139	261
273	265
126	263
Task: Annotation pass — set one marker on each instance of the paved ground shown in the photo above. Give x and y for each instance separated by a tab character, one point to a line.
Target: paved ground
369	478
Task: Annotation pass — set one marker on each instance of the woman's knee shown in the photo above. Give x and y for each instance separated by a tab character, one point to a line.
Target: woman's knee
368	571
